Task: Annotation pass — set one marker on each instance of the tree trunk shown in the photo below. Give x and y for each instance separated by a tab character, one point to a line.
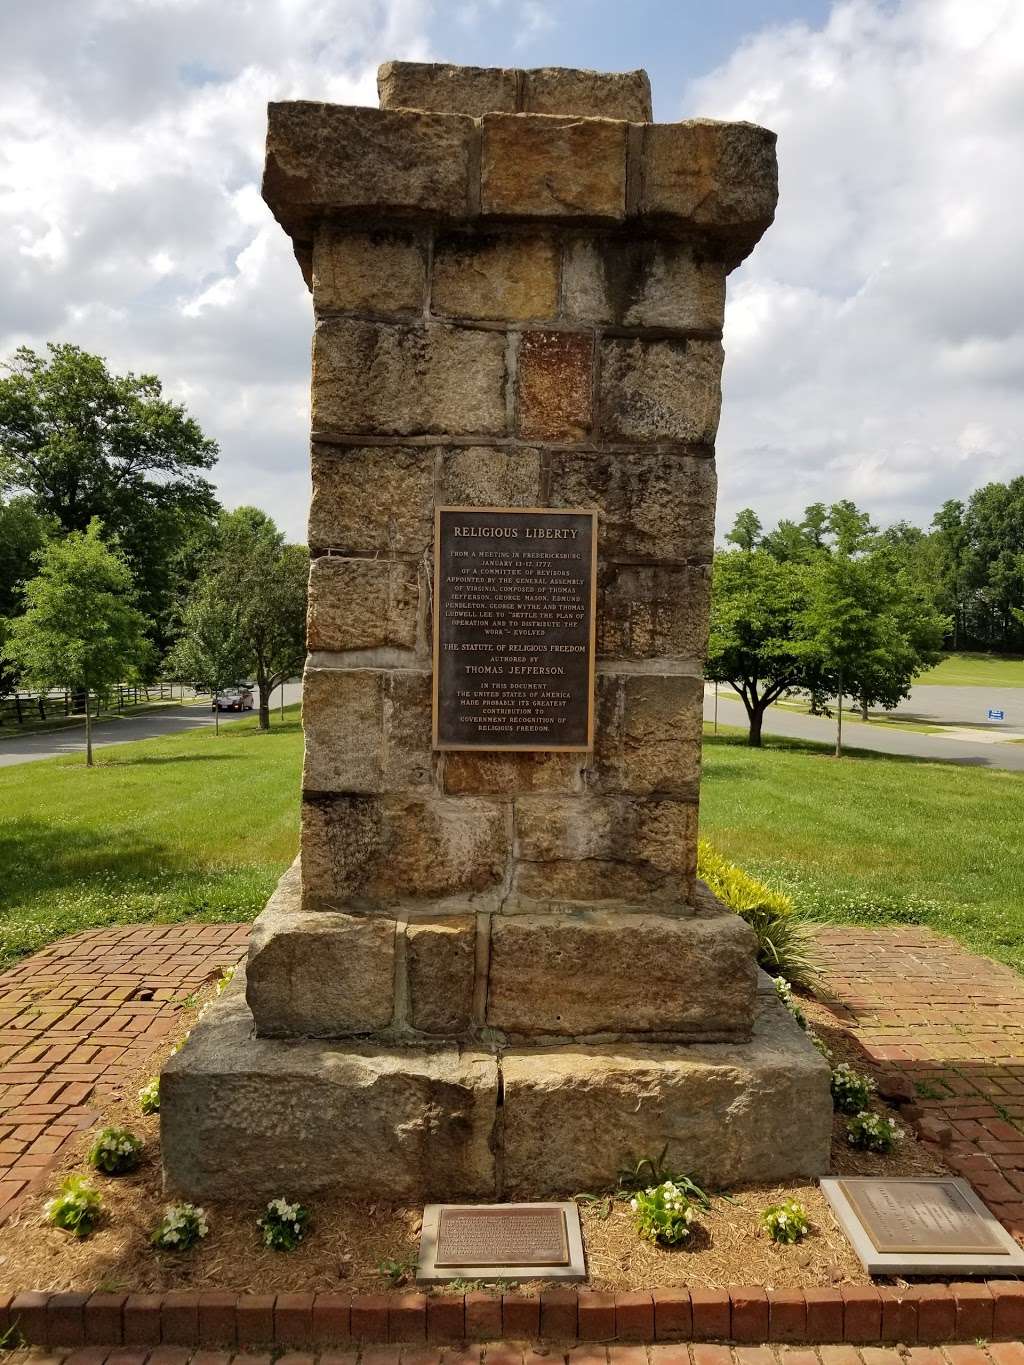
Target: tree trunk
755	716
264	706
864	709
839	721
88	728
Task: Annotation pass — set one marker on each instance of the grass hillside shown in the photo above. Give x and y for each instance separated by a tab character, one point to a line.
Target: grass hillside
974	670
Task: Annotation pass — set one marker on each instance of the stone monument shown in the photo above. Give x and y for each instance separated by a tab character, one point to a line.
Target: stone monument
491	973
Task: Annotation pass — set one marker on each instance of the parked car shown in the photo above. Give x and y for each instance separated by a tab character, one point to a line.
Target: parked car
233	699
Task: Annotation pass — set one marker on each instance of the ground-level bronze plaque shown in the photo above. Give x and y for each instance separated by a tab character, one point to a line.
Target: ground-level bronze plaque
515	593
917	1224
501	1242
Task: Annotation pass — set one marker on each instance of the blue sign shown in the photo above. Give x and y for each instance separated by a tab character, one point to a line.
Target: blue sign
996	715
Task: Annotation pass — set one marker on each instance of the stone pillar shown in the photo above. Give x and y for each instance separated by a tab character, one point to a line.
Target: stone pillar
491	957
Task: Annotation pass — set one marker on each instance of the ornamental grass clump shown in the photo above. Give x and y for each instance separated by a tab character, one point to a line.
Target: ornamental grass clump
283	1225
181	1227
77	1207
786	1222
149	1096
872	1133
116	1151
851	1090
663	1213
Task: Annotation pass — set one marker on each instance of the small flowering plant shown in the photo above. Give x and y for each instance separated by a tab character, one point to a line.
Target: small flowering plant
663	1213
785	993
181	1227
283	1225
851	1090
872	1132
786	1222
77	1207
116	1151
149	1096
226	977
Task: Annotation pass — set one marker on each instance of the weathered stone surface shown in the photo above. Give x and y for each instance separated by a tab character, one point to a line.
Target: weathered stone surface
368	852
362	604
660	390
555	386
589	94
510	774
378	272
491	476
446	88
551	167
601	849
374	377
725	1112
408	756
408	1125
333	159
648	735
597	972
649	611
722	177
320	975
367	730
441	967
372	498
492	276
651	506
642	282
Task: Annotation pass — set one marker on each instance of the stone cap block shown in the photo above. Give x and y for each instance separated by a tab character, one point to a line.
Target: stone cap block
448	89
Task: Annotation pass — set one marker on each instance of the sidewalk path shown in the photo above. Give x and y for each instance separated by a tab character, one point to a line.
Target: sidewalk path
80	1017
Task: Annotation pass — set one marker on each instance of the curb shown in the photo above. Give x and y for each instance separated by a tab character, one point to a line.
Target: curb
929	1314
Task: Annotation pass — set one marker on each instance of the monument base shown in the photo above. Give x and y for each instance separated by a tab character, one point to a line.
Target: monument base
298	1118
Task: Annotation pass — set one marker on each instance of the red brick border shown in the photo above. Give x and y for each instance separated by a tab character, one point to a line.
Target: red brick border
929	1314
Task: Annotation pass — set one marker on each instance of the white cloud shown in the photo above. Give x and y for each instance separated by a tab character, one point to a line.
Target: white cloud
875	340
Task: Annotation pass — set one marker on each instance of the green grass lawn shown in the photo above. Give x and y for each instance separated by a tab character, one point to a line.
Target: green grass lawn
975	670
874	839
195	826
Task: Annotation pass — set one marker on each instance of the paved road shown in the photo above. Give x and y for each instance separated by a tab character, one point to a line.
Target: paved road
146	725
881	739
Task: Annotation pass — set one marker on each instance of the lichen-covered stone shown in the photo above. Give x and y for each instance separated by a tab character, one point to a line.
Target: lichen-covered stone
378	271
596	972
332	160
725	1113
720	177
555	385
362	604
642	282
367	730
653	611
480	773
372	499
491	476
648	735
651	505
660	390
373	377
538	166
366	852
440	957
447	89
495	276
589	94
408	733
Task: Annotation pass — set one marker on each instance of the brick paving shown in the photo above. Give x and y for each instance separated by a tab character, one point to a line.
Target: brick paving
953	1022
79	1017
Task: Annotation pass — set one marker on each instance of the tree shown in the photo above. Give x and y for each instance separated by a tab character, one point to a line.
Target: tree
22	535
746	529
82	443
993	562
210	652
80	629
759	641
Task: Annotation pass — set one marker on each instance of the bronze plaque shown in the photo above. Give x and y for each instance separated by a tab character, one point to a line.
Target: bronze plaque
518	1235
926	1216
515	592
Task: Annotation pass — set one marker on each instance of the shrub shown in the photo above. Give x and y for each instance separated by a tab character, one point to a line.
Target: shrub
77	1208
181	1227
116	1151
283	1225
783	939
663	1214
851	1091
149	1096
872	1132
786	1222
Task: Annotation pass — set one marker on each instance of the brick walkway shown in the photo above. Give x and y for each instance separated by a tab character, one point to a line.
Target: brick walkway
954	1024
79	1017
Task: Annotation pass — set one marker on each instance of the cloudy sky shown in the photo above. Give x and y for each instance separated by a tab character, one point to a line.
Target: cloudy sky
875	341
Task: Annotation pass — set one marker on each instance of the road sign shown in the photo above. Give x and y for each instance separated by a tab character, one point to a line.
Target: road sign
996	715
